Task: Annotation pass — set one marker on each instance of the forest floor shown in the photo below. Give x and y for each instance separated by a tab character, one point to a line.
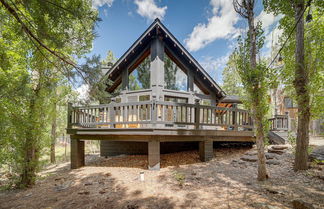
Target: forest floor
183	182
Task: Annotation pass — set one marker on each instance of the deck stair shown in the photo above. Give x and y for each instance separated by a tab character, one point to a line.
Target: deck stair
279	126
279	137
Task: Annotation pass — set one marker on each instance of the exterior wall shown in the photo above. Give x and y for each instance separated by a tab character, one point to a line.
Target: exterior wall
113	148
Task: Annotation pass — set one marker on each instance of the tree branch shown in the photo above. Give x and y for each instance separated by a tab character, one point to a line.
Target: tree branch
34	37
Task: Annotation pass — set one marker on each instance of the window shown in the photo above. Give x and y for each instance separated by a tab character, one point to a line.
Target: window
206	102
197	89
139	78
174	77
175	99
144	98
288	102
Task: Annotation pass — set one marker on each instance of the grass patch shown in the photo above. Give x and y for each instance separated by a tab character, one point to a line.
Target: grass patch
180	177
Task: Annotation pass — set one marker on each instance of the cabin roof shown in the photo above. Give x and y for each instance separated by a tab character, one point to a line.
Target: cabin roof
157	29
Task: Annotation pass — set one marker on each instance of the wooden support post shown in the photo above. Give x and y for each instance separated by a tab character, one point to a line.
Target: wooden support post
235	117
197	114
206	150
77	153
154	155
154	112
124	83
112	113
190	81
69	115
157	68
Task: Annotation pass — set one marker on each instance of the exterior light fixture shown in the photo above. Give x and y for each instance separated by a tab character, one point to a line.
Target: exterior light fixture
142	176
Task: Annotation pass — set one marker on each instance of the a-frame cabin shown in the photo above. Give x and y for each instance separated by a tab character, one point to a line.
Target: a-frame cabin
161	94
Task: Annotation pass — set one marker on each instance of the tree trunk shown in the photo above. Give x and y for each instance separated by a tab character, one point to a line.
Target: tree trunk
258	116
301	87
53	134
29	166
262	169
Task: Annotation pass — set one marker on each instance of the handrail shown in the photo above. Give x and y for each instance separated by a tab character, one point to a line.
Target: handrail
159	114
279	123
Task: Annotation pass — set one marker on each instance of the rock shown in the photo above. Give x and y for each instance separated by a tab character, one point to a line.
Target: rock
132	206
88	184
272	191
59	188
280	147
249	158
270	156
279	152
102	191
264	206
29	194
317	154
300	204
273	162
241	162
83	192
253	152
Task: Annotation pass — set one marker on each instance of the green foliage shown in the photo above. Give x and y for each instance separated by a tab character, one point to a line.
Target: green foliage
140	77
96	80
133	83
255	81
32	78
232	84
314	55
180	177
170	69
110	58
143	71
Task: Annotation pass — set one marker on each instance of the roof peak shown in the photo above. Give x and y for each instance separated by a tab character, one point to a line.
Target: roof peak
157	20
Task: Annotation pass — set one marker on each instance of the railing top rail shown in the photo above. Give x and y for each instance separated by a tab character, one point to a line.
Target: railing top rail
159	103
113	105
174	104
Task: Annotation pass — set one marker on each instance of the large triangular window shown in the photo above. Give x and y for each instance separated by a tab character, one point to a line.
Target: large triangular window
174	77
139	78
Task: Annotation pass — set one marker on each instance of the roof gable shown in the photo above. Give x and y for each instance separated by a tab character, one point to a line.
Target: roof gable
139	50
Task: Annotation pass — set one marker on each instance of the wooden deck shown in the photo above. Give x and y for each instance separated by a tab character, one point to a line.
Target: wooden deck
163	135
154	122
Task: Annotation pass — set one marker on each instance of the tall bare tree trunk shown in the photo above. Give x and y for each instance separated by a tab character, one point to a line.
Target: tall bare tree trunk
262	169
246	9
301	87
53	133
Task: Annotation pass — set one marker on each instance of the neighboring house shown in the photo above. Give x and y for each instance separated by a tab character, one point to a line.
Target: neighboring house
283	105
162	99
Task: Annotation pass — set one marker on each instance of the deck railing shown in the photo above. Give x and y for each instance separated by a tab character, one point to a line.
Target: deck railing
279	123
159	114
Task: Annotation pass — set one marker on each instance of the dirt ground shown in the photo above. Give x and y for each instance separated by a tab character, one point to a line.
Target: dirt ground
182	182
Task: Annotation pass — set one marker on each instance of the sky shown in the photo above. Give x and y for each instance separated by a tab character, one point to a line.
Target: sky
208	29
